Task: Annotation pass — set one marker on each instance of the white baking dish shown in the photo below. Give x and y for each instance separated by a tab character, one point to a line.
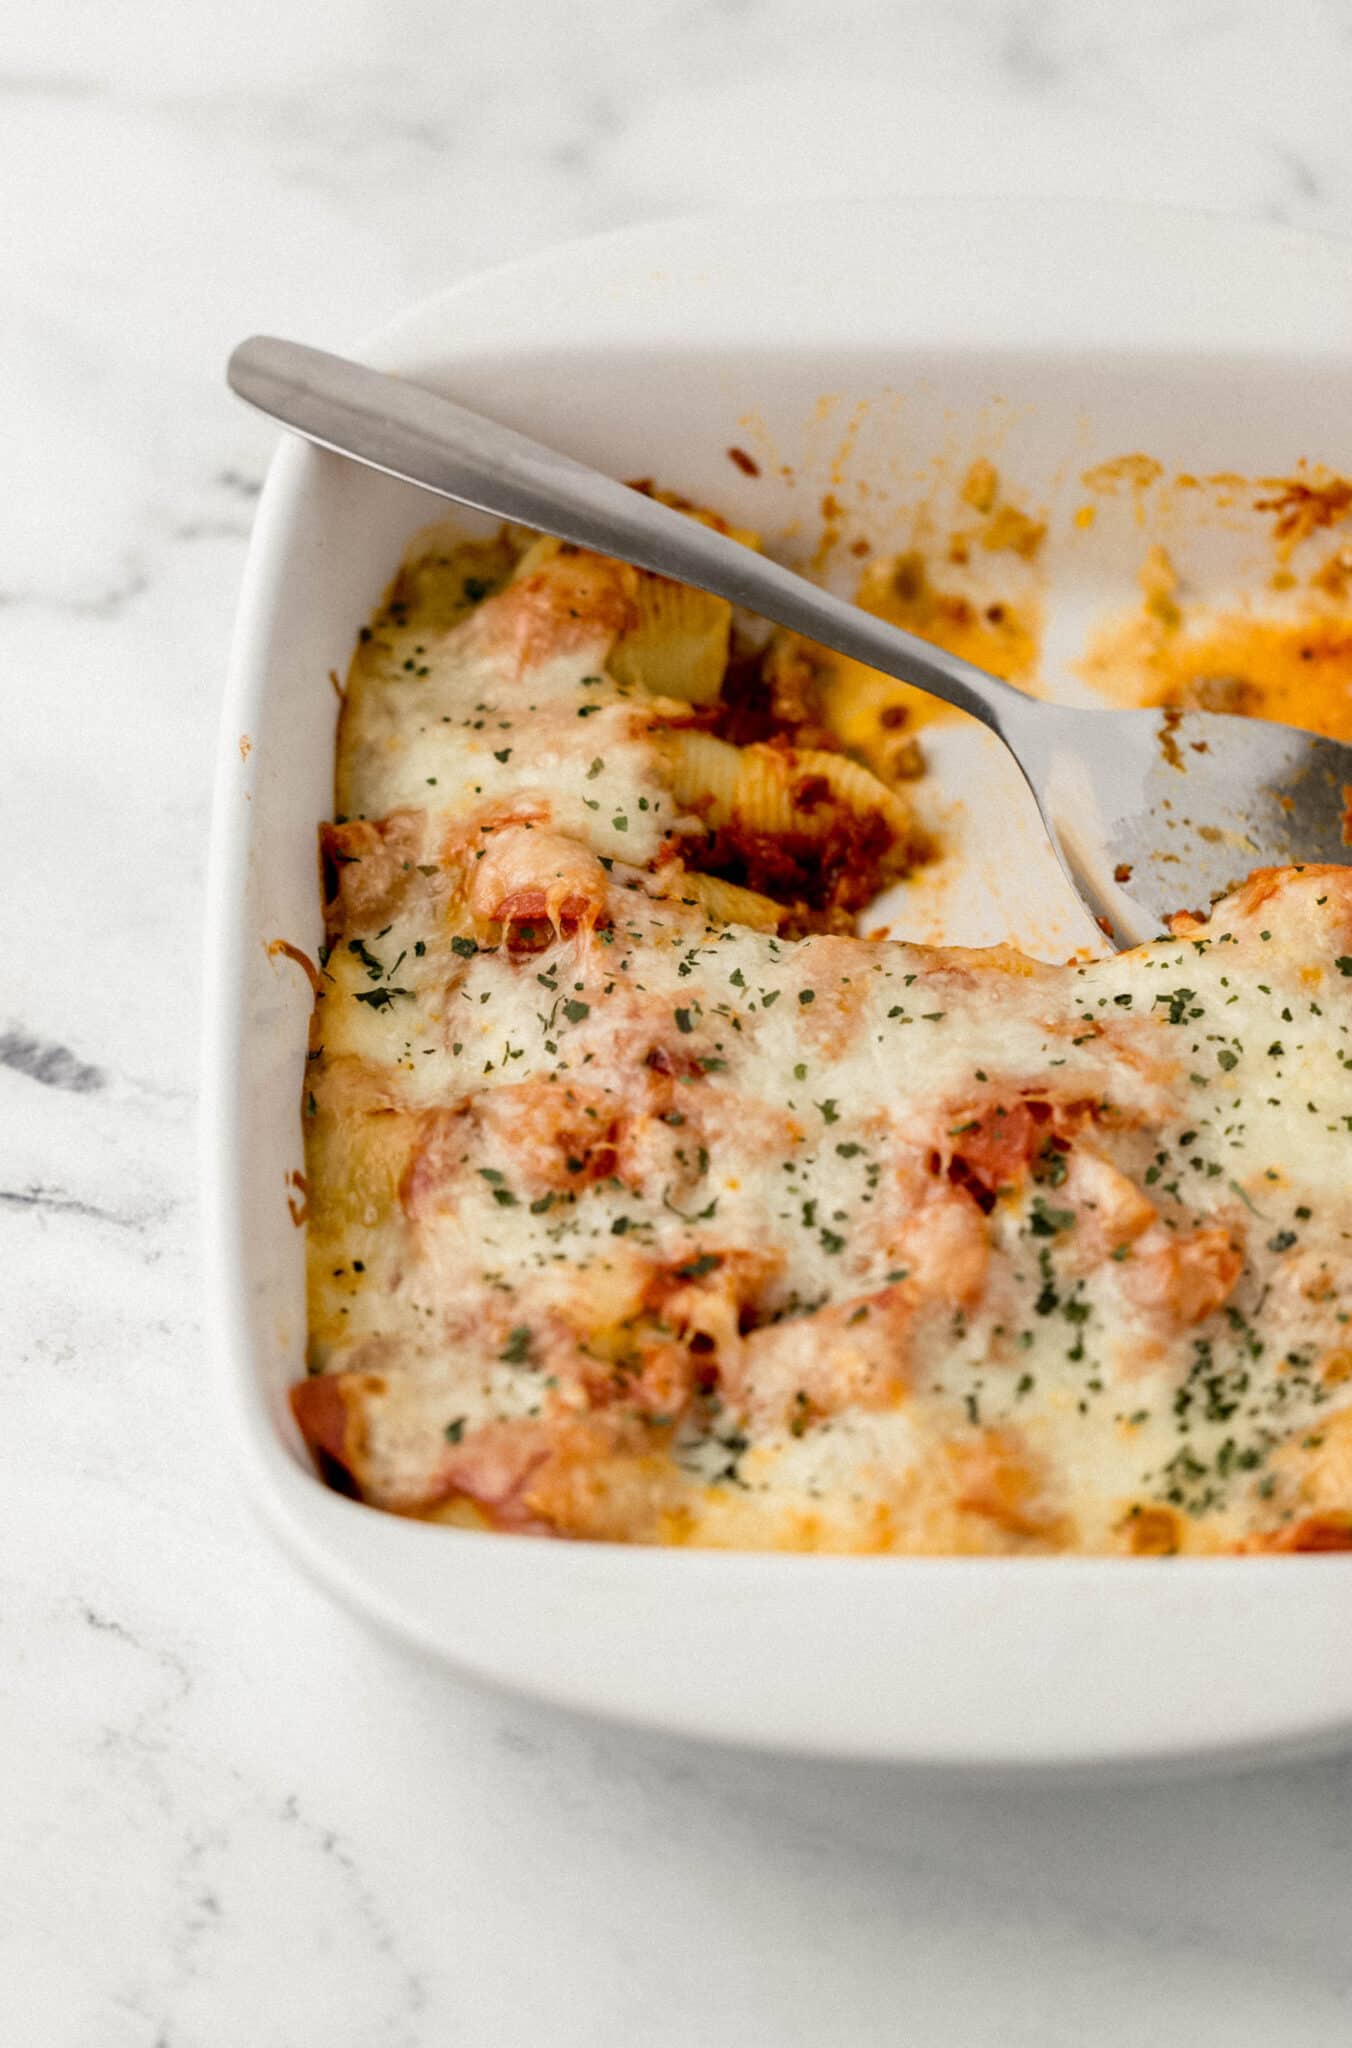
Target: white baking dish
857	346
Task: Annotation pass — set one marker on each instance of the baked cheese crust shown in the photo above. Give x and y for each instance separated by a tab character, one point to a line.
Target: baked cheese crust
645	1203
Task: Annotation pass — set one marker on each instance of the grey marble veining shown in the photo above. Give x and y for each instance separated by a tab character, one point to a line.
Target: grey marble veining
230	1816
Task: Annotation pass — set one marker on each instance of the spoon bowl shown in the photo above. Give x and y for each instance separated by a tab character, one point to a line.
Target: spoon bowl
1152	812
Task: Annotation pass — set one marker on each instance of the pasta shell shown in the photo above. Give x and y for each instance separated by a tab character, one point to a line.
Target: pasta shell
678	647
727	903
770	789
763	800
539	553
857	789
704	773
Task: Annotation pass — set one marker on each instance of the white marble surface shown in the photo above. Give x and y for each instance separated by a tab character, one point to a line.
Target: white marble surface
227	1816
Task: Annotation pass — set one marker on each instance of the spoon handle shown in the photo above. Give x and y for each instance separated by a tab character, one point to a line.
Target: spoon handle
411	433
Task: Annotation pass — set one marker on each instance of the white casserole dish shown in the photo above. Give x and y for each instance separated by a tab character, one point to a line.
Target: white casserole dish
859	346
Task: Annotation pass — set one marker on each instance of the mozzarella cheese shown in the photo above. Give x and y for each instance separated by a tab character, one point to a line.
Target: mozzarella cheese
628	1224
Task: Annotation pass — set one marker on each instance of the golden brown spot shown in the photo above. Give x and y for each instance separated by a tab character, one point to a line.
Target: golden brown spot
1136	471
1337	1368
1168	744
1150	1532
1009	531
1158	579
1302	506
1313	1533
302	959
981	486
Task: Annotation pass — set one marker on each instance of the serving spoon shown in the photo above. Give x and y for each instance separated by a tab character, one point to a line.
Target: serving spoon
1149	812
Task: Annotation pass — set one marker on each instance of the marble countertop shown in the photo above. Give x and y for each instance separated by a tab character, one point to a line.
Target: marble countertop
230	1815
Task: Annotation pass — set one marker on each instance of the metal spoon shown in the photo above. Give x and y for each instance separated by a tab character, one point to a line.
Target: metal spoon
1149	811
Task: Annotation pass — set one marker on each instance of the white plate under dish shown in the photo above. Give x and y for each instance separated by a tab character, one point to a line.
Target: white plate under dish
862	350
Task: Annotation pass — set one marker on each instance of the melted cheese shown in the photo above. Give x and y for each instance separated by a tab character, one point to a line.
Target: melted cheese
623	1224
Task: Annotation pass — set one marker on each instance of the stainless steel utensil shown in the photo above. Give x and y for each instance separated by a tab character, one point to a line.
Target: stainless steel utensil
1149	811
